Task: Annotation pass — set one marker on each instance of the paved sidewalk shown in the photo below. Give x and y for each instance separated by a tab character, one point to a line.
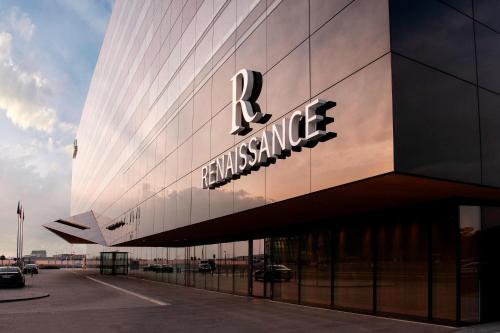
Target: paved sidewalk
85	302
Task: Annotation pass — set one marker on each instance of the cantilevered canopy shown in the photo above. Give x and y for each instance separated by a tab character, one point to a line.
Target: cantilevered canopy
78	229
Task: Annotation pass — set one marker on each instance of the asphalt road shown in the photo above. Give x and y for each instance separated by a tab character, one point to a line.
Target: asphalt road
85	302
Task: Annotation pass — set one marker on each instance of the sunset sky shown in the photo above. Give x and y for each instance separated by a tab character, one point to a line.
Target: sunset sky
48	51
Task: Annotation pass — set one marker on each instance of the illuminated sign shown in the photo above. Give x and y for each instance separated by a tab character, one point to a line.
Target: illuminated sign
302	129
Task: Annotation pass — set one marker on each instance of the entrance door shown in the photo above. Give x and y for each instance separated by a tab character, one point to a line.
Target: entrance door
259	263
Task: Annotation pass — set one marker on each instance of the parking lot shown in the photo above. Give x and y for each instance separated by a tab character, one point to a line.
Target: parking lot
87	302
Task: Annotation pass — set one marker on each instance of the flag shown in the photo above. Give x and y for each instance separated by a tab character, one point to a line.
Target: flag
23	215
19	208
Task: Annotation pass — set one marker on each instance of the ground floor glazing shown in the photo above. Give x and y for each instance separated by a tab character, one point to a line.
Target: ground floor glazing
422	263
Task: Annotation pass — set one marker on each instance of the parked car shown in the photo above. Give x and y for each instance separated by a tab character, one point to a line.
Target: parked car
151	268
11	277
29	268
274	273
167	269
159	268
204	268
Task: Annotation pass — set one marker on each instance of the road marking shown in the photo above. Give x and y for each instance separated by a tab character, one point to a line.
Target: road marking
152	300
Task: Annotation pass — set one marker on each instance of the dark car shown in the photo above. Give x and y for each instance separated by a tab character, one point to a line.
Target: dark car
11	277
204	268
151	268
159	268
274	273
30	268
167	269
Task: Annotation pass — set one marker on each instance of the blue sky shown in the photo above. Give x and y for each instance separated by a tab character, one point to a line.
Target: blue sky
48	51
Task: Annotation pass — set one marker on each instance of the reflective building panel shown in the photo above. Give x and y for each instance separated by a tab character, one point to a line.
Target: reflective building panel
377	195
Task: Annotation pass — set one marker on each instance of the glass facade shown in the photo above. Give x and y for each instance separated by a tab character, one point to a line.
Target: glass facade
417	263
416	95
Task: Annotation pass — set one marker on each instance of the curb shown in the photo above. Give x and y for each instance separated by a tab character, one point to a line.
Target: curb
24	299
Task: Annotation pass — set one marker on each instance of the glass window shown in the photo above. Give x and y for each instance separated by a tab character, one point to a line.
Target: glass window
172	264
353	271
436	124
289	177
321	11
200	207
202	105
402	261
283	271
226	270
241	268
444	266
353	39
180	265
184	201
470	228
364	145
221	139
201	146
487	12
221	200
259	262
186	122
435	34
489	105
170	215
288	82
221	89
185	158
316	269
172	134
287	27
488	53
250	54
490	288
211	268
199	267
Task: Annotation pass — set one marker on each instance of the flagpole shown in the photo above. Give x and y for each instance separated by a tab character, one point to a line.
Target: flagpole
21	238
18	231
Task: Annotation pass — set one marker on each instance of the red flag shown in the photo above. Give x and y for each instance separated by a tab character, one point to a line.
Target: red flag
19	208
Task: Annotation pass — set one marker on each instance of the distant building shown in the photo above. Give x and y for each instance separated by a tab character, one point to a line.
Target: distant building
69	256
39	254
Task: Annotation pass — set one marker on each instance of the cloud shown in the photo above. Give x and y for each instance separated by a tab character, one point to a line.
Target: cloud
44	197
20	23
24	94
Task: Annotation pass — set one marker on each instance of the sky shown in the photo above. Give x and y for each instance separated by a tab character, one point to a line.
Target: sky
48	51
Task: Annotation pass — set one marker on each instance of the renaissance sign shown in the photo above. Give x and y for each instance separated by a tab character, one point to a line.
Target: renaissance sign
302	129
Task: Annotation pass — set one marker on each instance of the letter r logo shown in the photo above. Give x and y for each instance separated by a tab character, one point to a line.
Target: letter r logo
246	89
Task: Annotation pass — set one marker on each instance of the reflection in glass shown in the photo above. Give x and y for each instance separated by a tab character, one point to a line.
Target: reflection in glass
210	267
283	271
199	266
353	279
180	265
241	268
444	267
226	268
259	261
171	262
402	268
316	269
470	228
435	34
